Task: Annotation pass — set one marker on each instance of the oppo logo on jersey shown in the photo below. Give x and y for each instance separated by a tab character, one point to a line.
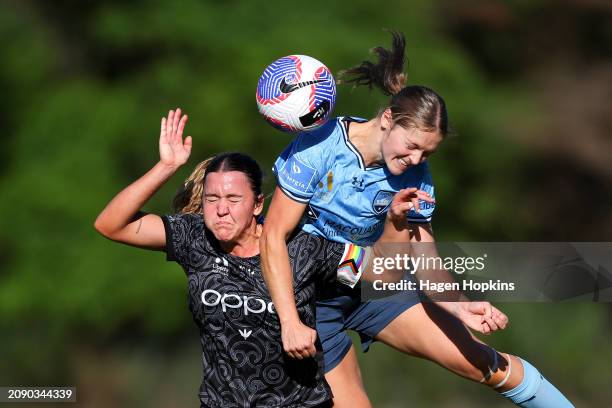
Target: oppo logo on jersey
211	297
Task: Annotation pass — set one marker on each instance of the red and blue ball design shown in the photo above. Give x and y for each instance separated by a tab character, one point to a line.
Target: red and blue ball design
296	93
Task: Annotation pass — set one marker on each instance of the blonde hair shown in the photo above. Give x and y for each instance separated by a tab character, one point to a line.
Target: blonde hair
188	200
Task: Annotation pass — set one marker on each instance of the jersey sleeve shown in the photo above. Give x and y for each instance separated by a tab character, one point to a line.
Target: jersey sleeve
182	231
425	183
305	161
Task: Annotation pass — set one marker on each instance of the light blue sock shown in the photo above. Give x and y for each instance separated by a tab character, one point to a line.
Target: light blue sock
535	391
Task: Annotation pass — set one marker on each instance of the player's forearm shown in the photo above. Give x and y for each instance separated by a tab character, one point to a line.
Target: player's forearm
124	206
395	230
440	279
277	273
394	241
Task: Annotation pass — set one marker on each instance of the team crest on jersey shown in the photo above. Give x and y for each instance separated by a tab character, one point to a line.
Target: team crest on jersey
325	188
382	200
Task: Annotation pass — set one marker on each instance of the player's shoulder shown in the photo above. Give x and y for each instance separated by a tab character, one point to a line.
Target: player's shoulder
184	232
322	137
314	150
186	220
184	227
326	142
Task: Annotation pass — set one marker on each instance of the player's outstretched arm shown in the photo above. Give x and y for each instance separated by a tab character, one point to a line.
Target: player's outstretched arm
479	316
282	218
121	220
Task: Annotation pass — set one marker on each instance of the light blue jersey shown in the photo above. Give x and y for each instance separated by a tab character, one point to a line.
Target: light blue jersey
347	201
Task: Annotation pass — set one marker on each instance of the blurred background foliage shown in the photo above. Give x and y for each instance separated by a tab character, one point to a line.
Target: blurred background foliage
85	83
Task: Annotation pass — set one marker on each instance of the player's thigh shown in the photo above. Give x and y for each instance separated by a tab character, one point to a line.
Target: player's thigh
346	383
427	331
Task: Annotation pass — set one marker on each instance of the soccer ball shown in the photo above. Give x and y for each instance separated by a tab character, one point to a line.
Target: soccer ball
296	93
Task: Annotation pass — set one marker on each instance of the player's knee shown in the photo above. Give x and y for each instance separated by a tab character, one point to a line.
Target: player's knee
348	392
346	384
354	397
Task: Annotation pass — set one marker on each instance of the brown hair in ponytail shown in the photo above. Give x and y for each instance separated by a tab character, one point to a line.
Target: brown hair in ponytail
387	74
411	106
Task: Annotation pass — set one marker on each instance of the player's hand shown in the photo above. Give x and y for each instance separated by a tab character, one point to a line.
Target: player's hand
481	316
173	151
298	340
405	200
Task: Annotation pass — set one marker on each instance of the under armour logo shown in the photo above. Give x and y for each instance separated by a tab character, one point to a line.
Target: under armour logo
357	182
245	333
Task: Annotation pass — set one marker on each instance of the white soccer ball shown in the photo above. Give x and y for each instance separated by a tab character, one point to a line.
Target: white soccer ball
296	93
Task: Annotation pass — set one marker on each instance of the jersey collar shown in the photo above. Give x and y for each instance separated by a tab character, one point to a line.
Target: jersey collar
344	125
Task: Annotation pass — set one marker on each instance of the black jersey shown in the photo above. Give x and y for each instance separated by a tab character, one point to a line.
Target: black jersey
244	364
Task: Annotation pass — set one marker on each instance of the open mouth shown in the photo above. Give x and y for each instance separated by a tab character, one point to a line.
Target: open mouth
403	163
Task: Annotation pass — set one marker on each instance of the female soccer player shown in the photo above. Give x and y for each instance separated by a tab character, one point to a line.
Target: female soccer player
345	175
215	238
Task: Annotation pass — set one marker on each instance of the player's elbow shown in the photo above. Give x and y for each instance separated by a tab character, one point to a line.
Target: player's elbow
99	225
102	227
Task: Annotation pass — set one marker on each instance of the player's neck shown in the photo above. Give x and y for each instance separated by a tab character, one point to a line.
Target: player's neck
367	138
247	244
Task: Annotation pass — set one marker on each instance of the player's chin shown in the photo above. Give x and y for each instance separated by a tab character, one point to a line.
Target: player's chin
397	166
398	169
224	234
